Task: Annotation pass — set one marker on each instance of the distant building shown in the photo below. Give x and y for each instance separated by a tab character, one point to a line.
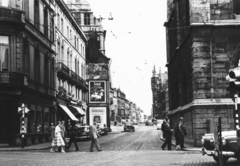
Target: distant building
159	90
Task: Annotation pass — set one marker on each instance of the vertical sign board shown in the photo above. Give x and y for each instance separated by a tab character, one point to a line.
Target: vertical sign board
98	115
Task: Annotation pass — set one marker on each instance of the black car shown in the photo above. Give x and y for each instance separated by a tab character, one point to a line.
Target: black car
128	127
83	132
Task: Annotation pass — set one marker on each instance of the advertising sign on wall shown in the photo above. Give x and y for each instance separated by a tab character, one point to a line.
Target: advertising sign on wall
97	91
98	115
97	71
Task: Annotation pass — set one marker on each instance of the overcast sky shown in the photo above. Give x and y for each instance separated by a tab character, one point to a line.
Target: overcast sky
135	42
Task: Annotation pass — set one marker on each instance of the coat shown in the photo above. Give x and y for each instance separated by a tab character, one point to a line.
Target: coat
93	132
166	129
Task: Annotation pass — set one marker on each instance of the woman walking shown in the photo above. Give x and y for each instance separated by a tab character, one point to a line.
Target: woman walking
58	140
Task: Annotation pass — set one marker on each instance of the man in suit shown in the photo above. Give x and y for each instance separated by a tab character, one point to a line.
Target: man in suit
180	132
72	135
167	131
94	138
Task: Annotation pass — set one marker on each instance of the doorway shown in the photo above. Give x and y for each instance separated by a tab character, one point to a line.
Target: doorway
8	123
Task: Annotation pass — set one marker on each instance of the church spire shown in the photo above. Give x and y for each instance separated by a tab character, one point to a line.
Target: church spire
154	71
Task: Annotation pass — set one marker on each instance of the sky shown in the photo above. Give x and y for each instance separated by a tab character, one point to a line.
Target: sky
135	42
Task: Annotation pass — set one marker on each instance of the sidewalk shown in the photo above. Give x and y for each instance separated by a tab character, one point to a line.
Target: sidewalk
47	145
189	147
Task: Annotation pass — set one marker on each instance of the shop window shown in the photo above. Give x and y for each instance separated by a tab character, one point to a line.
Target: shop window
4	53
46	120
39	119
32	119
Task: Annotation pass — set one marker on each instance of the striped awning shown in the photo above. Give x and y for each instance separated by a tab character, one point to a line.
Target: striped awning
68	112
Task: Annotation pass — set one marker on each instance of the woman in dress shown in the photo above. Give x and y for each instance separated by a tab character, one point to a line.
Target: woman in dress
58	140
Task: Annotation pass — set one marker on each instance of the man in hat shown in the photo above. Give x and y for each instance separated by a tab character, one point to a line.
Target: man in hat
180	132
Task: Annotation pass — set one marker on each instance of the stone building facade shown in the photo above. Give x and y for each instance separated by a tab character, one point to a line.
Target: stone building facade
202	45
27	63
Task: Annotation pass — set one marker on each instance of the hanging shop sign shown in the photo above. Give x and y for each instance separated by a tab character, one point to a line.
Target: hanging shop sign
97	91
98	115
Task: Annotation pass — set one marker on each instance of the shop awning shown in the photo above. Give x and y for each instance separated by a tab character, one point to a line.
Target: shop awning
68	112
80	111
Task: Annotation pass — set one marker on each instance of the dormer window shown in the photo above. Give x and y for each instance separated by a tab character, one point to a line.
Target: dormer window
86	18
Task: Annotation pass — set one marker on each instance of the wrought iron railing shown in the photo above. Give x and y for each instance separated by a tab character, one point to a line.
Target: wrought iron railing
11	14
14	78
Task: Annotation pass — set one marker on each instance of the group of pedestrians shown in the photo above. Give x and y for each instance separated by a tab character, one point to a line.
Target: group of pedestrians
179	132
58	136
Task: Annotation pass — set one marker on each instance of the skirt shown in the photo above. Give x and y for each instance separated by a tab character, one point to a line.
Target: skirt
58	141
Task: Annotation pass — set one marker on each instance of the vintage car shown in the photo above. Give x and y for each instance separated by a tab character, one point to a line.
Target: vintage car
82	132
128	127
230	146
103	131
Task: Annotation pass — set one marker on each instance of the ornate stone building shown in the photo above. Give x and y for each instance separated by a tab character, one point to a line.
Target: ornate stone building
27	53
202	45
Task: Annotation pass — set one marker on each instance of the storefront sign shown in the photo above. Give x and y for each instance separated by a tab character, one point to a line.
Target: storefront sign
98	115
97	91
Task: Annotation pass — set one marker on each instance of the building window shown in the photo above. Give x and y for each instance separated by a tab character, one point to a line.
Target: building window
62	25
58	21
4	3
71	36
62	54
68	57
37	65
52	29
26	57
36	14
236	6
46	22
67	32
86	18
4	53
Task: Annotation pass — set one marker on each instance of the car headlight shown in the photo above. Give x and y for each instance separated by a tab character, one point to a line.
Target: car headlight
224	141
202	140
212	140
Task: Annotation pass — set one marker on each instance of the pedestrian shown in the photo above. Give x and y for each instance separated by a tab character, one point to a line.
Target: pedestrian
167	131
180	132
94	138
58	140
52	132
72	135
63	132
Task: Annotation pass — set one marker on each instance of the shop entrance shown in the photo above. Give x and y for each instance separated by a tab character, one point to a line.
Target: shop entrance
8	123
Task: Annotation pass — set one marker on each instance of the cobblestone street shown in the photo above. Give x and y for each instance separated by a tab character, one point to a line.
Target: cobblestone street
142	148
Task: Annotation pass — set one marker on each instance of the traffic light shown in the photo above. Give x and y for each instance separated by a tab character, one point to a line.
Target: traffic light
233	79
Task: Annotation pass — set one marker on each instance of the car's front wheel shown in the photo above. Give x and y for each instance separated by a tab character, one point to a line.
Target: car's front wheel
225	159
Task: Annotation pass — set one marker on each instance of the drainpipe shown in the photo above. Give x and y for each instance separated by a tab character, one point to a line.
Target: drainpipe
211	67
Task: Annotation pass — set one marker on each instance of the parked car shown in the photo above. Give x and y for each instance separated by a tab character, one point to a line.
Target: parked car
148	123
104	131
82	132
230	146
128	127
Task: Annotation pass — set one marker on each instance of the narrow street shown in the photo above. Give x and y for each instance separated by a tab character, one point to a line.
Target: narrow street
142	147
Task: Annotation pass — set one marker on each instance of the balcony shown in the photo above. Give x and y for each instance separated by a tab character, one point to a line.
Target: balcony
12	15
41	88
65	73
13	79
